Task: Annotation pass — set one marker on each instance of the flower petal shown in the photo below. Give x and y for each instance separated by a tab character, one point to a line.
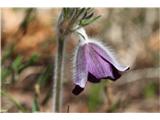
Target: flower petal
77	90
107	55
99	67
81	71
92	78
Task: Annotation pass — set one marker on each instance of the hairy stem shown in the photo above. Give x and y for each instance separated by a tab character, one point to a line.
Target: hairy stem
58	74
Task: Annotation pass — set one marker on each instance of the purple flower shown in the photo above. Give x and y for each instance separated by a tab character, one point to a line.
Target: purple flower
94	62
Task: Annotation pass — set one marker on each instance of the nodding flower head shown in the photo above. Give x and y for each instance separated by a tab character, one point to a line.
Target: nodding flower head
93	62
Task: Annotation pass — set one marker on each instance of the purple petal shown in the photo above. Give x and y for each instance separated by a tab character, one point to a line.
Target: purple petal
92	78
99	67
94	62
81	71
107	55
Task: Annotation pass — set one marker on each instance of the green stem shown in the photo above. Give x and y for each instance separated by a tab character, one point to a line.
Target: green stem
58	74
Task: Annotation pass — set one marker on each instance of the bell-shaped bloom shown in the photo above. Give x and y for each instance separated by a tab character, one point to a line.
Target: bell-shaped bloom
94	62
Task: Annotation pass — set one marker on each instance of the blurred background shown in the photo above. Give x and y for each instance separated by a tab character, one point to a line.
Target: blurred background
28	47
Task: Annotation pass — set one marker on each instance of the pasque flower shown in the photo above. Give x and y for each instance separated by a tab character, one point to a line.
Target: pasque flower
93	62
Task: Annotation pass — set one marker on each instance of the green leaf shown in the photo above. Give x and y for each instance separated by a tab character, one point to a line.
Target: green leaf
35	105
5	72
47	97
14	101
85	22
45	76
66	12
33	59
28	18
17	63
7	52
81	11
89	16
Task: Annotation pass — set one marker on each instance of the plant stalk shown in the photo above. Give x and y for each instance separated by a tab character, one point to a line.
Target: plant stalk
58	80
